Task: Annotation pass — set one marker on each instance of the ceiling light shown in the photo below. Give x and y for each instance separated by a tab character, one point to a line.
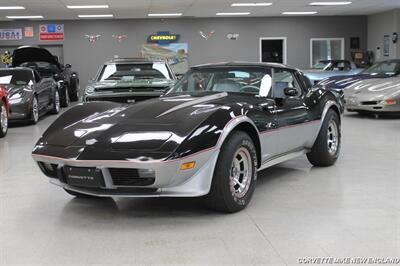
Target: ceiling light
164	14
11	7
96	16
23	17
329	3
233	13
87	7
300	13
251	4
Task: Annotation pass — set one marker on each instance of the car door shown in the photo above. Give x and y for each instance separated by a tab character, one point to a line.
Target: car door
42	91
291	111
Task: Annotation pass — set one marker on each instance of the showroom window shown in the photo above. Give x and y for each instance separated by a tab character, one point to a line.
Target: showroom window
326	49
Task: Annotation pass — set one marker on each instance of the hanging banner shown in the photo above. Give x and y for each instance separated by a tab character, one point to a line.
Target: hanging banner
51	32
10	34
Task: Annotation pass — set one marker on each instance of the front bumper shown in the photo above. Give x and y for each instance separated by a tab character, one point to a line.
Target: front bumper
19	111
375	106
170	180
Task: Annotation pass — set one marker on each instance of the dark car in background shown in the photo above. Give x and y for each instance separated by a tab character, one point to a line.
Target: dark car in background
30	95
130	80
47	65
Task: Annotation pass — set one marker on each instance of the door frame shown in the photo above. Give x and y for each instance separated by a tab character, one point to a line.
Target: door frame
284	47
326	39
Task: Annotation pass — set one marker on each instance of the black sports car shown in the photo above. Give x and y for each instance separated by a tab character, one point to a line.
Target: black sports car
30	95
209	135
48	65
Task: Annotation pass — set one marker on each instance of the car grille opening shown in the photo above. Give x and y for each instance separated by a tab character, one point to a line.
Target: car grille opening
369	103
50	170
130	177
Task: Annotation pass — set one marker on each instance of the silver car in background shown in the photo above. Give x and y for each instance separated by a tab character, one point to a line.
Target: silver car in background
330	68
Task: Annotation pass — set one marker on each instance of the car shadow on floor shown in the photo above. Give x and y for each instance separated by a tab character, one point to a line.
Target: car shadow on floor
80	209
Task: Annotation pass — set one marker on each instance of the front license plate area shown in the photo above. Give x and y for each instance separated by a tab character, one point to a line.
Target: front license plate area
84	177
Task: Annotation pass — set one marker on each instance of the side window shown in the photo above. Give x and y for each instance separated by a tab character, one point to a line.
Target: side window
283	79
37	76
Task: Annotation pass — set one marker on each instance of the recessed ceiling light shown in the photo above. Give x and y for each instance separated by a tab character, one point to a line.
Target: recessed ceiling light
233	13
251	4
164	14
23	17
11	7
329	3
97	16
300	13
88	6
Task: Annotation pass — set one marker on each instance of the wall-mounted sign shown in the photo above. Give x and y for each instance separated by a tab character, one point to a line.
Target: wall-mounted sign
51	32
10	34
28	32
163	38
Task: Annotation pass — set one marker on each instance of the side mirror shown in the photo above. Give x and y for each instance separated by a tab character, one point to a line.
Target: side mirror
68	66
91	80
290	92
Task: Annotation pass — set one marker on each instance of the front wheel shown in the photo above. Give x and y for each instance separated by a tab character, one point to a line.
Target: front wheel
235	174
326	148
56	103
3	120
34	112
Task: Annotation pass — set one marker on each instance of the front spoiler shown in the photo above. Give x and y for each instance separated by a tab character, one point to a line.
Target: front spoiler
171	181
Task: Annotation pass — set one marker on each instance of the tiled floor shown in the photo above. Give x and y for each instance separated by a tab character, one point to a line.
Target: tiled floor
349	210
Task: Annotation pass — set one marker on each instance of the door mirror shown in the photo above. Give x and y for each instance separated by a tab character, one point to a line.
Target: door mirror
290	92
91	80
68	66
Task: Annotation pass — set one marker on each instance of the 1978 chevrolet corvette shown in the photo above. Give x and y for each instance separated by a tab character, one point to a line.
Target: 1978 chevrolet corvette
208	136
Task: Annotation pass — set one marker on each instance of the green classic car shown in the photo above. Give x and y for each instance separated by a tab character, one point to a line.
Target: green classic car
130	80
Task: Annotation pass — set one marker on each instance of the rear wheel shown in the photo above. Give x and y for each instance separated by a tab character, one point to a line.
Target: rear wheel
3	120
34	112
64	97
326	148
56	102
77	194
74	89
235	174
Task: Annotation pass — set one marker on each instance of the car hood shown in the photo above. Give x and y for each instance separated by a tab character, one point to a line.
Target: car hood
142	83
32	54
14	89
375	88
159	124
342	82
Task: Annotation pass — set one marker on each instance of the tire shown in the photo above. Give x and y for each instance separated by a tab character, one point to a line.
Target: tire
3	120
74	89
78	195
64	97
226	195
34	112
326	148
56	103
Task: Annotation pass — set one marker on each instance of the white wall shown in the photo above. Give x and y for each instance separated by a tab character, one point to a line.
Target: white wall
381	24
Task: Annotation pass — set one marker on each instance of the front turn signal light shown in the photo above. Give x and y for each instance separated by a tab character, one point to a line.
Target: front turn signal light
390	102
188	165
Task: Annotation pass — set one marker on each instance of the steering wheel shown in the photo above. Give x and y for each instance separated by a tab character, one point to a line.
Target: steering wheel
251	87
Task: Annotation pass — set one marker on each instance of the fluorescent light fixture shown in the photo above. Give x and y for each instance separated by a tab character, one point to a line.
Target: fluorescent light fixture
330	3
299	13
251	4
23	17
88	6
97	16
164	14
233	13
11	7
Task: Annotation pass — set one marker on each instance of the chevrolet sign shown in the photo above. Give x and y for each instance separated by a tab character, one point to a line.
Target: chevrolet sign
163	38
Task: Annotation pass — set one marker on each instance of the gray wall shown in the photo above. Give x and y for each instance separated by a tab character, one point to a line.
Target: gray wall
86	58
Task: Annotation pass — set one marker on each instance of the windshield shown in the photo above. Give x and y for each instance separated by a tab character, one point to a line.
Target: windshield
130	72
16	77
333	65
322	65
45	69
225	79
384	68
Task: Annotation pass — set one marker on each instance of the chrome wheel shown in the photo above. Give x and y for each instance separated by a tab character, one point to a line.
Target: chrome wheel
57	101
3	119
241	173
35	110
333	137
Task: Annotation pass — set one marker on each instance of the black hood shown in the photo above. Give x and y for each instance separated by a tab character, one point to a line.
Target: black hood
25	54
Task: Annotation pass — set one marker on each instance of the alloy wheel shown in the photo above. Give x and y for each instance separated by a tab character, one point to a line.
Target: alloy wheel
333	137
3	119
241	173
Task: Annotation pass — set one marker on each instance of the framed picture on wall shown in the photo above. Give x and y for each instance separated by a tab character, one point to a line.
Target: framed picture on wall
386	45
355	43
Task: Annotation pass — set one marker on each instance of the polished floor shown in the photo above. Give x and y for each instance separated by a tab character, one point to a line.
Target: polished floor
349	210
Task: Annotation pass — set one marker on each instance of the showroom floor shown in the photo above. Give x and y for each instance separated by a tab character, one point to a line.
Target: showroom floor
350	209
